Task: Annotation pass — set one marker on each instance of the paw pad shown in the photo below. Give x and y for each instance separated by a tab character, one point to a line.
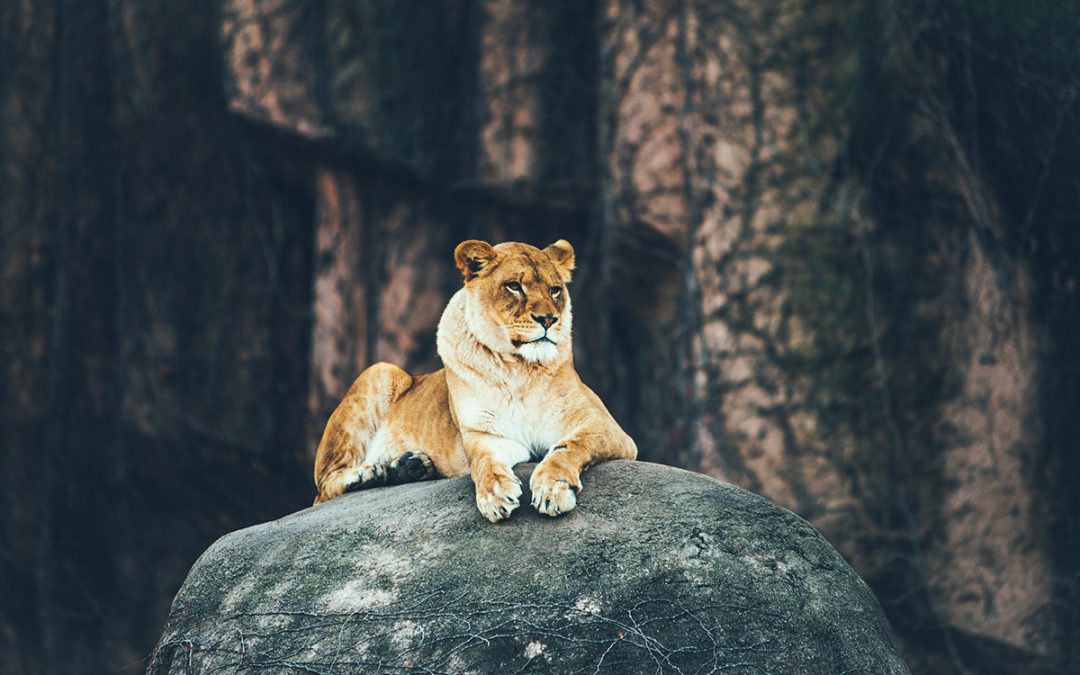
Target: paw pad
411	467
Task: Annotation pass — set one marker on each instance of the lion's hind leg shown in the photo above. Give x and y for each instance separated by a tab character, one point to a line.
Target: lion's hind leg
349	456
409	467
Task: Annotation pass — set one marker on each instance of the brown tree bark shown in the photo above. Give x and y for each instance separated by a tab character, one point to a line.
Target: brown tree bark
712	118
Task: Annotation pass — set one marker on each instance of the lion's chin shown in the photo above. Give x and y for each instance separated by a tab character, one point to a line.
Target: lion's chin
543	351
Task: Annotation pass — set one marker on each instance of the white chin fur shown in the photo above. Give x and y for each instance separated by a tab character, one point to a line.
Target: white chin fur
539	352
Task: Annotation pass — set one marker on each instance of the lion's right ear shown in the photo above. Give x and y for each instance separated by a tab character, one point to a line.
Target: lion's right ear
562	254
473	257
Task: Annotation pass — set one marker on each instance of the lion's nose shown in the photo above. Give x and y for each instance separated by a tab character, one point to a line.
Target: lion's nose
545	320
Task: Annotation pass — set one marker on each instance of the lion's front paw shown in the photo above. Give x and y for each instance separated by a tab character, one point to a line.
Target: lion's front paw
497	493
552	492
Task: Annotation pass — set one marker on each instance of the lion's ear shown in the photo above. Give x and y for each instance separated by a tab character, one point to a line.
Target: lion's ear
473	256
562	254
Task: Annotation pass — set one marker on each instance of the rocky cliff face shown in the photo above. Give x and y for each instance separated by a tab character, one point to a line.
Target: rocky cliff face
657	570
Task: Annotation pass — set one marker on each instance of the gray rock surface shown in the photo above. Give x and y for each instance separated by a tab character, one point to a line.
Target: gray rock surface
657	570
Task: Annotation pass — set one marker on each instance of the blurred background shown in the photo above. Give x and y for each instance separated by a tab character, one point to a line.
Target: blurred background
828	251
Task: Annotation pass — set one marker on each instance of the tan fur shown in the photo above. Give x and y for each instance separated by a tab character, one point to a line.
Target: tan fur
413	415
505	395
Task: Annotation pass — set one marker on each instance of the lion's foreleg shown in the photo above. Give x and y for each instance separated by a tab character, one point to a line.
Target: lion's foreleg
557	478
491	462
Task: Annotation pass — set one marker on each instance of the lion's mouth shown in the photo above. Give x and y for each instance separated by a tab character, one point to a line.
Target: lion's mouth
543	338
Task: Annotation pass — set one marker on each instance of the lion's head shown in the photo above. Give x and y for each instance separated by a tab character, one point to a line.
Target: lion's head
517	302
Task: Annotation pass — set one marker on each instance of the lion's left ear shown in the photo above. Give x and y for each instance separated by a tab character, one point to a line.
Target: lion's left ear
562	254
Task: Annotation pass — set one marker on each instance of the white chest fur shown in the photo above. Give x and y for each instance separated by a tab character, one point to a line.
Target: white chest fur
533	418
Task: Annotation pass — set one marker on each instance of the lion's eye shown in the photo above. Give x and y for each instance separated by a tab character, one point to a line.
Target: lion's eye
513	286
555	290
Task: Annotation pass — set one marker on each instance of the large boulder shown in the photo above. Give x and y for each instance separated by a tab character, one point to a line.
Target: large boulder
657	570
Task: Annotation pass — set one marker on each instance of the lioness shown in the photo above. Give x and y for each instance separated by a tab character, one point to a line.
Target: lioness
508	393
